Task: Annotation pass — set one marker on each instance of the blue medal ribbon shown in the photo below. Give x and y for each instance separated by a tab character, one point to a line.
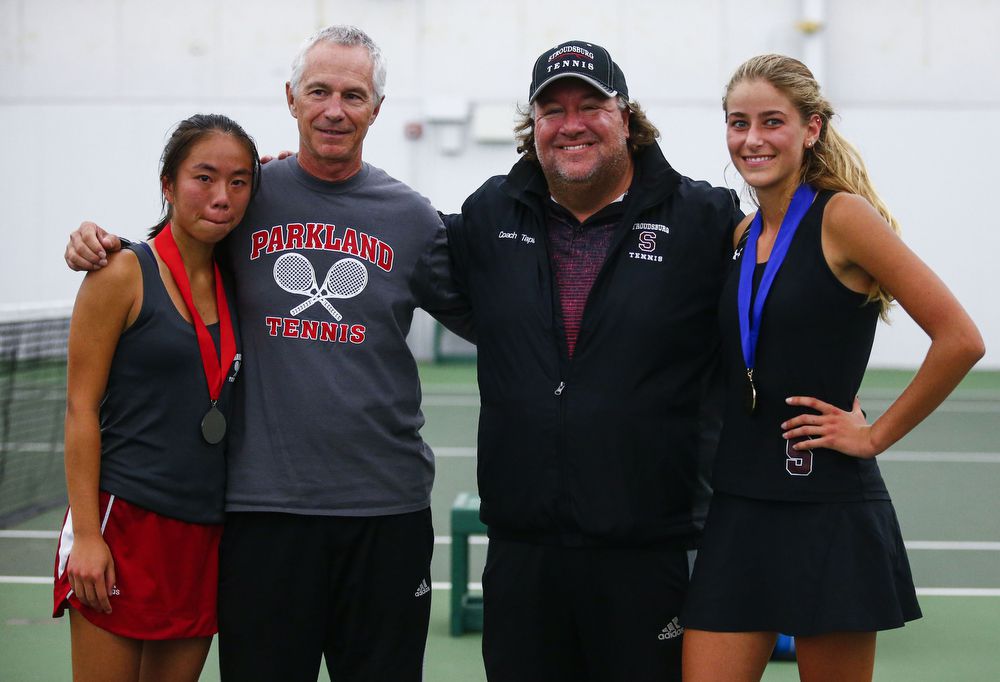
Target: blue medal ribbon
750	320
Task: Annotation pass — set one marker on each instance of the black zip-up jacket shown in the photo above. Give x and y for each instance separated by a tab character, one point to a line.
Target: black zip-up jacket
606	448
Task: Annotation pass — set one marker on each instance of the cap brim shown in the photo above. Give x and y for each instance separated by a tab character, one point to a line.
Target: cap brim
592	81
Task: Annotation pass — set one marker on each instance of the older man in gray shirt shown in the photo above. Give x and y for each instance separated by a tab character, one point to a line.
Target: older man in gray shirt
328	535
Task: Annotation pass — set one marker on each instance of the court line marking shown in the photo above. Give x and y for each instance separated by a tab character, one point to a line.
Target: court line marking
444	388
29	534
931	545
921	591
950	406
891	456
953	457
962	395
928	545
988	404
453	452
450	401
885	395
447	586
948	546
28	446
54	535
473	540
25	580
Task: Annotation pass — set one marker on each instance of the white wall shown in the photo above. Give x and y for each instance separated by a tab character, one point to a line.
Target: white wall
89	88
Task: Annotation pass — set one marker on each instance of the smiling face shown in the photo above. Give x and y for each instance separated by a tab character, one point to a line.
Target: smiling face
211	189
581	136
334	104
766	135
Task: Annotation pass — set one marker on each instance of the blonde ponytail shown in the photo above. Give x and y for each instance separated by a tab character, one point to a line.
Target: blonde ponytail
832	163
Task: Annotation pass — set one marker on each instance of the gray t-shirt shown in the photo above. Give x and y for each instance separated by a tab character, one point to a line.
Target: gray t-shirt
327	416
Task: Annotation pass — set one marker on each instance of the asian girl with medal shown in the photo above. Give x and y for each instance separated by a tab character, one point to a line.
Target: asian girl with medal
153	354
801	537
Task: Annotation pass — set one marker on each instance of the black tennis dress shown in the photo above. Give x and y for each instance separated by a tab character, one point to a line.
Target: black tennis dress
803	543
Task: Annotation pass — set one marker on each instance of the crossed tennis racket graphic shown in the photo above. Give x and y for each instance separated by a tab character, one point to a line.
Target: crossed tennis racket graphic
346	278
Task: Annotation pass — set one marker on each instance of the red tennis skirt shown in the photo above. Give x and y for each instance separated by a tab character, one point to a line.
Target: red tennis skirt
166	570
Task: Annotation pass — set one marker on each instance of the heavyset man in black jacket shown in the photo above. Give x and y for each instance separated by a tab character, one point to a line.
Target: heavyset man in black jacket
593	269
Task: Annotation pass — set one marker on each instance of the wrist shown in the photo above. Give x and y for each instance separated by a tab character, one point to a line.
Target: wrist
877	440
86	534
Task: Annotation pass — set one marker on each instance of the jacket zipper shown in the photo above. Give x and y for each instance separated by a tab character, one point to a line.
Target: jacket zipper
629	215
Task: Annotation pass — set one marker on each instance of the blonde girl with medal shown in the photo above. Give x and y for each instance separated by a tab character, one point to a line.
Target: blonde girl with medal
152	355
801	537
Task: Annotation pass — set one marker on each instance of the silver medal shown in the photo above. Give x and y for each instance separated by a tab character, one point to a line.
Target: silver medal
213	426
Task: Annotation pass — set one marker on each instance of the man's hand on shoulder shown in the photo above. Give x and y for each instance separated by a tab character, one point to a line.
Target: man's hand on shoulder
283	154
89	246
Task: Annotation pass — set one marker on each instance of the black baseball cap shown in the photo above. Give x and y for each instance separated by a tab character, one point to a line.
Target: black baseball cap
579	59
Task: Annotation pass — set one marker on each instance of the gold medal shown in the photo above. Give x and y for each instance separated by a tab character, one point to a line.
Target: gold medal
751	393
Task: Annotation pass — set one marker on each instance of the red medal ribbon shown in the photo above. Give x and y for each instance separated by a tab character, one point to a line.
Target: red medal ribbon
215	365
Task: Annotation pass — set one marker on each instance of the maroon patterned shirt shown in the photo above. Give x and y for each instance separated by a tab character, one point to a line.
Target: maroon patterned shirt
576	252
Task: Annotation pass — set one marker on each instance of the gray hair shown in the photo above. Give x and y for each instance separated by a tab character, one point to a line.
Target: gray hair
348	36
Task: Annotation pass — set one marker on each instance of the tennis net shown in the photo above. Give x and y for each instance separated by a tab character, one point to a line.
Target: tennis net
32	409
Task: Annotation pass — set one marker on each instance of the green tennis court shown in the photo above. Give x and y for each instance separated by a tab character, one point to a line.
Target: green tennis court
944	479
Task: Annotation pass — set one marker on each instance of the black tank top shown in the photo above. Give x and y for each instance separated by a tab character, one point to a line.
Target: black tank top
815	340
152	450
